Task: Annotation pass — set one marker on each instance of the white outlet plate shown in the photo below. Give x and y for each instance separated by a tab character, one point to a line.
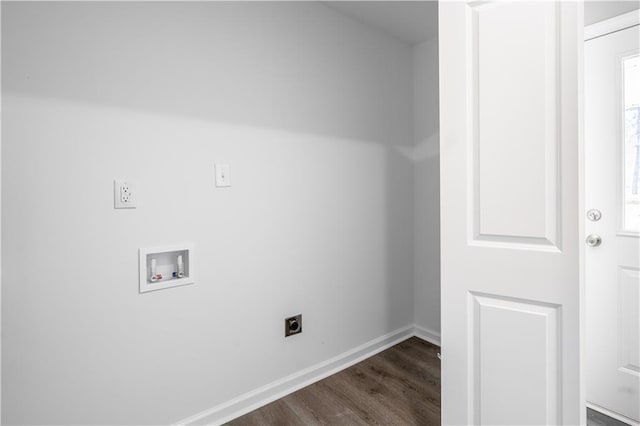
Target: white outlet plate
223	175
124	194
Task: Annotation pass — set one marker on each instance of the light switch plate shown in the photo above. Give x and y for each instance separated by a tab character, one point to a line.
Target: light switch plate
124	194
223	177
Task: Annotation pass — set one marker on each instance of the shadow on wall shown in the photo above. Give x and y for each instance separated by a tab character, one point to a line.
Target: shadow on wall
426	158
400	233
263	64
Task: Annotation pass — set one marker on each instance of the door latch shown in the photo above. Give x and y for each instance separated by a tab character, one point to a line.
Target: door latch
593	240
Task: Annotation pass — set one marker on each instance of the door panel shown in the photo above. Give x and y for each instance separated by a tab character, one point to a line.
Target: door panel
529	344
515	184
629	321
509	207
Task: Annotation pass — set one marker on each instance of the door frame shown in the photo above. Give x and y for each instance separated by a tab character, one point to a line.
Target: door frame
1	375
592	31
612	25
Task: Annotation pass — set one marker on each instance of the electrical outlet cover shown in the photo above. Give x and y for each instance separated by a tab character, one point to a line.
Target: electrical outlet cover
223	178
293	325
124	194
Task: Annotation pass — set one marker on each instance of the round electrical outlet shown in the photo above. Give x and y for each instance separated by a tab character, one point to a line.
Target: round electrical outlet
292	325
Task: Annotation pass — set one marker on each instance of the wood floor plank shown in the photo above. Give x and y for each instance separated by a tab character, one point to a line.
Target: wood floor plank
425	372
276	413
417	398
399	386
320	405
399	394
367	396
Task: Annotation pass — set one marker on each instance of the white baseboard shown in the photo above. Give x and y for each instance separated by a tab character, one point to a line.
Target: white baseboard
612	414
256	398
427	334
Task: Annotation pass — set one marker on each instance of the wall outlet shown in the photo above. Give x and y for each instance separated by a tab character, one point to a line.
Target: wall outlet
293	325
124	194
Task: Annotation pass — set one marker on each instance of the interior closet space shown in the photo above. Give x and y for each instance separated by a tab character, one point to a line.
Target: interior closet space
118	119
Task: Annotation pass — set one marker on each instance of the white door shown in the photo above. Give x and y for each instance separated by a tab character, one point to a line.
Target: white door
509	123
612	173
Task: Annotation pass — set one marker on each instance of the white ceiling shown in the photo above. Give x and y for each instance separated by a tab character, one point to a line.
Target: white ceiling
416	21
595	11
410	21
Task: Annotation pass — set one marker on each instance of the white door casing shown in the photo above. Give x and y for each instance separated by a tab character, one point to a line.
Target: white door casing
509	122
613	268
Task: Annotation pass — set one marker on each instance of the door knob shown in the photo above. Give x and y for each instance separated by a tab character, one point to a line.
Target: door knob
593	240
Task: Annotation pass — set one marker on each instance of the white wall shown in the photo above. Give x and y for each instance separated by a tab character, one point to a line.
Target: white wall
426	187
312	112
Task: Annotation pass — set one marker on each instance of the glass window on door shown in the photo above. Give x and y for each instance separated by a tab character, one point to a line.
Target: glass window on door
631	149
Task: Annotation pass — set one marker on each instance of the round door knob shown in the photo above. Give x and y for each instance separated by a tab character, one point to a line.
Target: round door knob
594	240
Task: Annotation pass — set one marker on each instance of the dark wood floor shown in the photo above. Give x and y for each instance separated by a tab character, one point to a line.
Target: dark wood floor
400	386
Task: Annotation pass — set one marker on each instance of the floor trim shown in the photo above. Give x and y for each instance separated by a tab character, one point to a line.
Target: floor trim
259	397
612	414
427	335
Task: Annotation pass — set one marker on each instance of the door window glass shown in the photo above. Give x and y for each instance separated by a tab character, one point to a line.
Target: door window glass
631	149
